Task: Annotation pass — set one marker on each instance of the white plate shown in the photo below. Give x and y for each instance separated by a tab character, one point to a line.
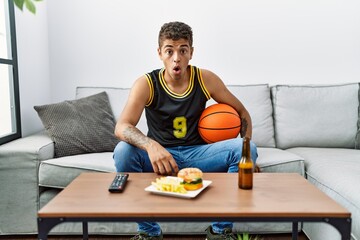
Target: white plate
188	194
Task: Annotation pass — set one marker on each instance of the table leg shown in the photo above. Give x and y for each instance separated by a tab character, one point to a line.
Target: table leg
343	225
85	230
295	230
45	225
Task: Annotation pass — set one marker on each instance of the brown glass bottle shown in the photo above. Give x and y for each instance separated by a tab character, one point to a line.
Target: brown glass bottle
246	166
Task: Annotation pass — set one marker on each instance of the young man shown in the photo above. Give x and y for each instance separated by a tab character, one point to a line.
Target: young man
173	98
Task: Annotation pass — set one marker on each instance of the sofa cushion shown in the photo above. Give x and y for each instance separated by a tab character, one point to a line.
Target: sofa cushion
337	173
117	98
256	99
277	160
315	116
80	126
59	172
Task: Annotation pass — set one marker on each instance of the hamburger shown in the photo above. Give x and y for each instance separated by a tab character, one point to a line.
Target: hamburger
192	178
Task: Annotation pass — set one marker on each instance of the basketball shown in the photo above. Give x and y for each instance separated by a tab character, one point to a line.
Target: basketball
219	122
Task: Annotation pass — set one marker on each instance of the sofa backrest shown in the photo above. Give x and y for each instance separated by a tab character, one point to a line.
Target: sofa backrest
315	116
291	116
117	98
256	99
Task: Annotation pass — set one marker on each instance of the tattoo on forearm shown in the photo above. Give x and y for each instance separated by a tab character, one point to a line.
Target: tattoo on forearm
244	126
135	137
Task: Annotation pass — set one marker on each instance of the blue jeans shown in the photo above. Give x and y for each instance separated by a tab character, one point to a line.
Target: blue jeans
222	156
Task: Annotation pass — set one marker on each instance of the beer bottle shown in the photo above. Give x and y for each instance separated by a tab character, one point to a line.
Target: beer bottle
246	166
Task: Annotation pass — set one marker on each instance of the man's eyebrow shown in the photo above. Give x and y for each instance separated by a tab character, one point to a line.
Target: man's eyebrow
171	46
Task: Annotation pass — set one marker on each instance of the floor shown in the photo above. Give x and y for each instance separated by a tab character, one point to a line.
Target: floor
167	237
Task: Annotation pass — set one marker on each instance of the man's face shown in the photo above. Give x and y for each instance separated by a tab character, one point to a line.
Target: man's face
175	56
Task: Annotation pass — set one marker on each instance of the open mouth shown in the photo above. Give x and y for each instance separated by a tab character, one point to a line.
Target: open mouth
177	69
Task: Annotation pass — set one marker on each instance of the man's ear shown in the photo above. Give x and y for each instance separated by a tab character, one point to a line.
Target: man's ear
159	52
191	52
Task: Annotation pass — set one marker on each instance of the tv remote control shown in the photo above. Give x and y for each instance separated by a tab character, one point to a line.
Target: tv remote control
119	182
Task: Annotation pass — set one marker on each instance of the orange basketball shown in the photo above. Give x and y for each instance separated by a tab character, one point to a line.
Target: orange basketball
219	122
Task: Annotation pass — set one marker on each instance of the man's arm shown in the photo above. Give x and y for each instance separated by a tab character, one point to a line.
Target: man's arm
125	129
221	94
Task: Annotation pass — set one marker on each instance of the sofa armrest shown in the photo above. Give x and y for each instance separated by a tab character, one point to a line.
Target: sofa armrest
19	163
38	146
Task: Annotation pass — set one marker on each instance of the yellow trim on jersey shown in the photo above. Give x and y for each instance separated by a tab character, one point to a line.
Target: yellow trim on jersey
151	88
202	85
173	94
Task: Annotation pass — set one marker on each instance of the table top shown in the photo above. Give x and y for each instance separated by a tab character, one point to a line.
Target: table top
273	195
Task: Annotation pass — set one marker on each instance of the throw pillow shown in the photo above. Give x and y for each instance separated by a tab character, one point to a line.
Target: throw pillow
85	125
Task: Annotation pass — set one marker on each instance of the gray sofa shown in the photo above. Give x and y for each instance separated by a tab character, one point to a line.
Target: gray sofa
309	130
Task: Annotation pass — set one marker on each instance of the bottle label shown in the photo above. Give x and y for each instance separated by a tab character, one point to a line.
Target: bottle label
246	165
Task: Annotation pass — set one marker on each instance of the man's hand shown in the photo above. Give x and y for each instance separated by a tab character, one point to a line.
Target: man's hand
161	160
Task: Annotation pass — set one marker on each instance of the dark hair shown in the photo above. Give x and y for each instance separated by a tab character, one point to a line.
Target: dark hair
175	31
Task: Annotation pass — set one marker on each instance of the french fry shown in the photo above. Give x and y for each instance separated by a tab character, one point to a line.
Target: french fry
166	184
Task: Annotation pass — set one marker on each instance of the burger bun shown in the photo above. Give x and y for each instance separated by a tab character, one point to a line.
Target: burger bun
192	178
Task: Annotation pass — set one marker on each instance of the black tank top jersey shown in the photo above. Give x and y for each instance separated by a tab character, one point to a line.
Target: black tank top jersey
172	118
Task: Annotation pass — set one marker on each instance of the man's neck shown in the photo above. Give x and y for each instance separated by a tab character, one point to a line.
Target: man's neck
178	86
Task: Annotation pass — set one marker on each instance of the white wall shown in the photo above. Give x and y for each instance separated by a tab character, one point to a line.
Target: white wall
113	42
33	62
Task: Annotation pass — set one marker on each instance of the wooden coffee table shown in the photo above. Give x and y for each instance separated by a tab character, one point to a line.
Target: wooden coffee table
276	197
